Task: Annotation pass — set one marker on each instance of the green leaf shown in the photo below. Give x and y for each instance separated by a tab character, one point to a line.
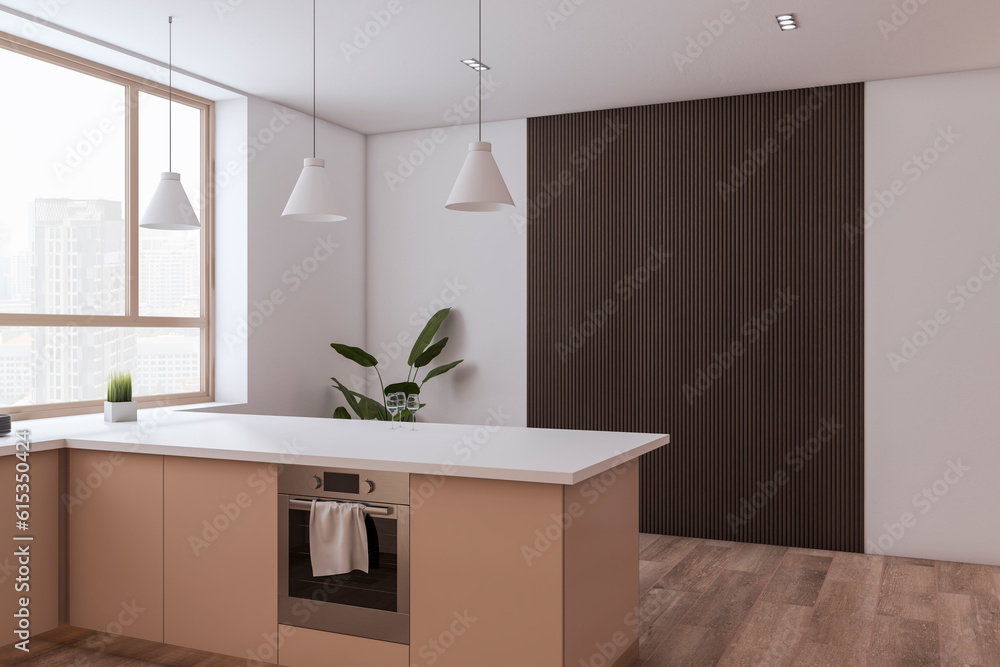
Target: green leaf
427	335
372	409
348	396
403	387
341	413
441	370
355	354
364	407
431	352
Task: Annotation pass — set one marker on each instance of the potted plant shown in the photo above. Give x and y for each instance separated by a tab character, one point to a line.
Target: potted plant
422	354
120	407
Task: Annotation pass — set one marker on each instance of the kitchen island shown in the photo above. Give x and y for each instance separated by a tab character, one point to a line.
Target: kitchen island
523	542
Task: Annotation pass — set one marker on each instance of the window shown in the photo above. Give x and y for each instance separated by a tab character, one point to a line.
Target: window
83	290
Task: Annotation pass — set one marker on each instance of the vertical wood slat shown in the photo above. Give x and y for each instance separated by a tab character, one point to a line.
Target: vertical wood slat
657	184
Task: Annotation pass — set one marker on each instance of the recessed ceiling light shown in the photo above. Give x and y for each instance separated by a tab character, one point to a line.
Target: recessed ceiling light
475	64
787	21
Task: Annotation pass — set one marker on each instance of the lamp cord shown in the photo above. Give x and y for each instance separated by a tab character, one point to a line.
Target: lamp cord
170	94
480	70
314	79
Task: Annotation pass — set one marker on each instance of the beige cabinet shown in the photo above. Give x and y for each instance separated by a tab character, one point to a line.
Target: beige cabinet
221	556
42	584
115	507
551	566
301	647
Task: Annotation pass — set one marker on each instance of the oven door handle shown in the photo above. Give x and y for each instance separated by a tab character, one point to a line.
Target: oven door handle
297	504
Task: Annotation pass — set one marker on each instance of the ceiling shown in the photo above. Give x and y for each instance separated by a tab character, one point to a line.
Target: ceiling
548	56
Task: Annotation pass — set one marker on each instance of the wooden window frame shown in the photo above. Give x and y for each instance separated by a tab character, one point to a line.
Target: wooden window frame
205	321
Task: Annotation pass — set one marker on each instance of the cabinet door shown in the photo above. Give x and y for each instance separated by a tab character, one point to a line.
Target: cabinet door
43	471
115	505
221	555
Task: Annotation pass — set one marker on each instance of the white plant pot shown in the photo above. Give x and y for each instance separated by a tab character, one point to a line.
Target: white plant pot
120	412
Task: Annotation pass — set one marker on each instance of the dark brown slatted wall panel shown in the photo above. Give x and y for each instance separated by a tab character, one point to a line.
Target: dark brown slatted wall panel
613	340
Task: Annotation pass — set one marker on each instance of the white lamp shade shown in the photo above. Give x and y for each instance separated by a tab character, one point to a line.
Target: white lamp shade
480	187
312	199
170	207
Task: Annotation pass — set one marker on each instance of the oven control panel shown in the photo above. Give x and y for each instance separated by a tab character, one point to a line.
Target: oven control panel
376	486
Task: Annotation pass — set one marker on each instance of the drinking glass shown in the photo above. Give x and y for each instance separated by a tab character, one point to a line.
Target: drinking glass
395	407
413	404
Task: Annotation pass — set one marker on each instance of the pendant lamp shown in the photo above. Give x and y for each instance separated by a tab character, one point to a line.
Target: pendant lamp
170	207
480	186
311	199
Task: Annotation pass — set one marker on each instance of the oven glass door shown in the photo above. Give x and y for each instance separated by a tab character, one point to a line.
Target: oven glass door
376	589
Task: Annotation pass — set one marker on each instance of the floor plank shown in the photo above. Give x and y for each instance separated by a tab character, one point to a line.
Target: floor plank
696	571
660	611
70	646
971	624
826	655
650	573
770	636
908	591
690	646
904	642
798	580
646	539
965	578
728	601
841	628
762	558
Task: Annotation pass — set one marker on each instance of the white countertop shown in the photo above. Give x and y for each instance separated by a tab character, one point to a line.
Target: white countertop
487	452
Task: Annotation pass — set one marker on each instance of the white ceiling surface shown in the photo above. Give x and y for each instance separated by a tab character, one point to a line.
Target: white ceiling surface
605	54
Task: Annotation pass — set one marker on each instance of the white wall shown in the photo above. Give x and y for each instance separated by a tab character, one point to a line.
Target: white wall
422	256
302	292
231	199
935	408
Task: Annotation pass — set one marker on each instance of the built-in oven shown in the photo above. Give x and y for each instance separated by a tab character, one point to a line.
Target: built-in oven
373	604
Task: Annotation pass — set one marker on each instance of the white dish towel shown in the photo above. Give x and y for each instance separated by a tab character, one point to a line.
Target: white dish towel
338	540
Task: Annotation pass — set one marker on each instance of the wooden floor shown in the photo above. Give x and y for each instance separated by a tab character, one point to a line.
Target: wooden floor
73	647
725	603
